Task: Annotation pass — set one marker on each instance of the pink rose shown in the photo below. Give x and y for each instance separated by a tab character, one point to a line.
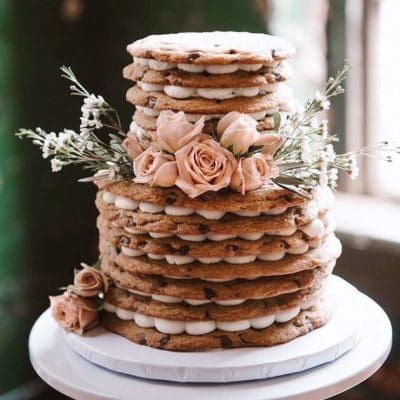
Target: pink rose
132	145
74	313
271	143
174	131
89	282
204	166
155	168
237	131
252	172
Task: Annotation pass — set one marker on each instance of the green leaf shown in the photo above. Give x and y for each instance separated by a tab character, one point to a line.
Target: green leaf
294	189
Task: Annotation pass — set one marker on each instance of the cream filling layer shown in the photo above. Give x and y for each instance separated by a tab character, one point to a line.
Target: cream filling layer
175	327
196	68
150	112
193	302
180	92
182	260
151	208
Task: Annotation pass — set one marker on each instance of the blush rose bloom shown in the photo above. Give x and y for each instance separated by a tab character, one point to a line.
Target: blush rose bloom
155	168
174	131
89	282
132	145
252	172
271	142
74	313
238	131
204	166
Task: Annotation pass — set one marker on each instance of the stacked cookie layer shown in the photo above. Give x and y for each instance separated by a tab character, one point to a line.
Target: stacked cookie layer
194	274
222	269
202	74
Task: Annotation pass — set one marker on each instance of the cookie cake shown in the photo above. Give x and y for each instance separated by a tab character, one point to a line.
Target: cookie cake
215	228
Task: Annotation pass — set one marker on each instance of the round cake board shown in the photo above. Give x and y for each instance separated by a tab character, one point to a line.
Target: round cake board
323	345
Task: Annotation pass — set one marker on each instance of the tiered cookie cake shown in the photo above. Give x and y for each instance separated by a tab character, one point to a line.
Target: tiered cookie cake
194	269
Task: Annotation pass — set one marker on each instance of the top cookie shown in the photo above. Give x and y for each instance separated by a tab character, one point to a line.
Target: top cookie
213	48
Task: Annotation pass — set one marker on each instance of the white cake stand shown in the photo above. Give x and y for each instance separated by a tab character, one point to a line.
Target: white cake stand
66	371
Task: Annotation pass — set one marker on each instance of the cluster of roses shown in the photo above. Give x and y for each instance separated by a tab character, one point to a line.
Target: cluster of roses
77	309
180	154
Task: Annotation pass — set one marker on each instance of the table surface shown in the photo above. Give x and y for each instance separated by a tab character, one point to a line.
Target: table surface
72	375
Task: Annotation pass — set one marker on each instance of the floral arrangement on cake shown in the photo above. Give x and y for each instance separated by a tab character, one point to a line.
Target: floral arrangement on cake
297	155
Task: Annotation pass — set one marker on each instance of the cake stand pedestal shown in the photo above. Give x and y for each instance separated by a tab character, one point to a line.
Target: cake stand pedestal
63	369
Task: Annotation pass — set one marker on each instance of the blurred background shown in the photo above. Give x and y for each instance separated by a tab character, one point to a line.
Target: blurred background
47	221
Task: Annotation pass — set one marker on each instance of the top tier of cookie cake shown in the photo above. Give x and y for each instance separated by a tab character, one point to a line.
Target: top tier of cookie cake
222	269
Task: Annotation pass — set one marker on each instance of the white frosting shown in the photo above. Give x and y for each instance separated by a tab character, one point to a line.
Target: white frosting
316	228
131	252
272	256
155	256
200	327
172	210
109	307
150	87
150	208
210	260
252	236
193	302
160	66
248	213
191	68
234	326
134	231
298	249
125	314
240	259
126	203
193	238
109	197
262	322
330	222
210	214
172	327
250	67
195	117
287	315
275	211
181	92
196	68
156	235
229	302
144	321
178	260
219	236
175	327
166	299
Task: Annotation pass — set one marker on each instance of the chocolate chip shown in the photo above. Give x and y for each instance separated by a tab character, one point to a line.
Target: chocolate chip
217	101
203	228
232	51
171	198
131	222
171	249
142	338
142	245
231	247
151	102
164	340
147	54
124	240
226	343
206	196
210	294
273	53
183	250
278	77
193	56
